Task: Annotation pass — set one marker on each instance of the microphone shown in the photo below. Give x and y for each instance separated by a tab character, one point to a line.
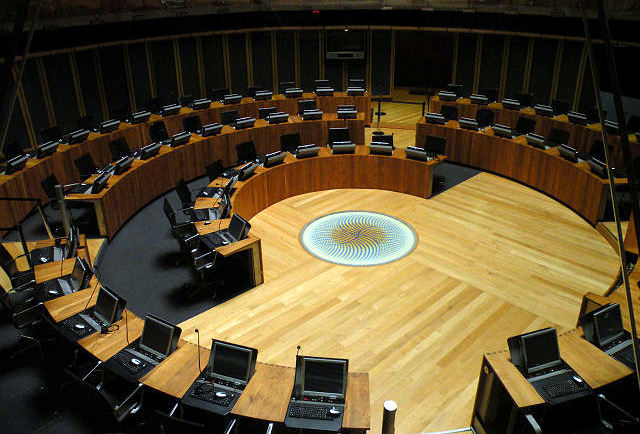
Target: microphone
298	352
91	296
126	325
198	333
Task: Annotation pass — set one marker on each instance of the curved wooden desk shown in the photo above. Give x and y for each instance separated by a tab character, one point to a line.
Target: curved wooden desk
26	183
571	183
127	193
581	137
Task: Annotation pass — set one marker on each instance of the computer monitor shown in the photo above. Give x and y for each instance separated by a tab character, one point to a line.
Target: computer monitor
306	104
435	145
525	125
318	376
16	163
290	142
100	182
232	362
149	151
558	137
339	134
603	325
264	112
123	165
158	336
192	124
77	274
535	351
109	126
46	149
109	306
238	227
228	117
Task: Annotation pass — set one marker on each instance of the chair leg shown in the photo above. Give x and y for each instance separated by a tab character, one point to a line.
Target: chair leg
34	343
195	288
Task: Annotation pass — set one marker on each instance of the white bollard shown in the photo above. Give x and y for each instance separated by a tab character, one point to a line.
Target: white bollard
389	417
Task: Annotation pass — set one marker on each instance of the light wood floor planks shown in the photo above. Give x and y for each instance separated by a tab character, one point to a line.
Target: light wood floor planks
494	259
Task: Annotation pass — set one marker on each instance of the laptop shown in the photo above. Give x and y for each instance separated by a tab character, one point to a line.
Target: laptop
219	386
98	185
537	356
107	310
603	328
58	251
318	398
218	192
78	279
237	230
159	339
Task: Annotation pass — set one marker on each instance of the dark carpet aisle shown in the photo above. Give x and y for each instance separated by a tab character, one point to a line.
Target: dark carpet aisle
139	264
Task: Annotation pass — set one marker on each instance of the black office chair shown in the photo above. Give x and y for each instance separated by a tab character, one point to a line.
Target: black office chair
169	424
228	117
491	93
158	132
634	124
186	100
306	104
28	321
180	230
246	151
50	133
48	184
593	117
122	114
290	142
119	148
184	194
12	149
525	125
525	99
207	262
484	117
86	123
251	90
450	112
85	165
215	170
192	124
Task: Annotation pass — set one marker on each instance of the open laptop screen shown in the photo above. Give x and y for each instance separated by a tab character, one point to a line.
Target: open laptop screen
541	350
157	336
236	227
106	305
78	272
324	377
230	361
608	322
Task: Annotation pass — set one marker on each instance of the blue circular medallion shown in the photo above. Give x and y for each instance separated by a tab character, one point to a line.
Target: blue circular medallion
358	238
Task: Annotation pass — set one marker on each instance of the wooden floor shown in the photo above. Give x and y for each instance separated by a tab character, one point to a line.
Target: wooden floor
494	259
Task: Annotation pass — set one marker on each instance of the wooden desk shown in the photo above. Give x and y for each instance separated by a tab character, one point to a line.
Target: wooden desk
26	183
592	301
68	305
103	347
127	193
571	183
580	137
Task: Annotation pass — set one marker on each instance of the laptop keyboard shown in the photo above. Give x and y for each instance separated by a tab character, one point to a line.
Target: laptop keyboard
71	323
559	385
625	356
206	392
306	411
124	359
79	189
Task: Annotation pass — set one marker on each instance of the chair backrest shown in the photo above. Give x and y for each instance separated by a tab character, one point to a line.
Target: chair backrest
450	112
48	185
246	151
119	148
7	263
12	149
85	123
484	117
155	105
174	425
85	165
228	117
184	193
290	142
560	107
168	212
158	132
186	100
215	169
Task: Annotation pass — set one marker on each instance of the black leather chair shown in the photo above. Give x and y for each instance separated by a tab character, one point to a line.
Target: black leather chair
158	132
119	148
86	123
50	133
214	170
85	165
192	124
450	112
290	142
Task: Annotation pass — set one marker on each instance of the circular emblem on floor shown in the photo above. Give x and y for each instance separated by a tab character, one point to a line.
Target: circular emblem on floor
358	238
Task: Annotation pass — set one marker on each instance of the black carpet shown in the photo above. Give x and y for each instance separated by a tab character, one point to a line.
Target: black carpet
139	264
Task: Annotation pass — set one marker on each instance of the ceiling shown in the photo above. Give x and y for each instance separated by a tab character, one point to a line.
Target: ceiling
63	13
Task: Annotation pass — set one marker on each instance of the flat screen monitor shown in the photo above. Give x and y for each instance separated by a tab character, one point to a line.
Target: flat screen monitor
339	134
238	227
435	145
525	125
228	117
322	376
107	305
77	274
608	324
78	136
290	142
306	104
109	126
46	149
158	336
149	151
123	165
264	112
230	361
540	350
16	163
344	45
100	182
558	137
192	124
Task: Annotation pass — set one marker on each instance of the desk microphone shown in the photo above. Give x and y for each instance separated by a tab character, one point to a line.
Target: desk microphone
198	333
126	325
91	296
298	352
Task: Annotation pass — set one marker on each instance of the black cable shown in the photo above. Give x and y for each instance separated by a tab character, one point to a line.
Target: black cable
91	296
